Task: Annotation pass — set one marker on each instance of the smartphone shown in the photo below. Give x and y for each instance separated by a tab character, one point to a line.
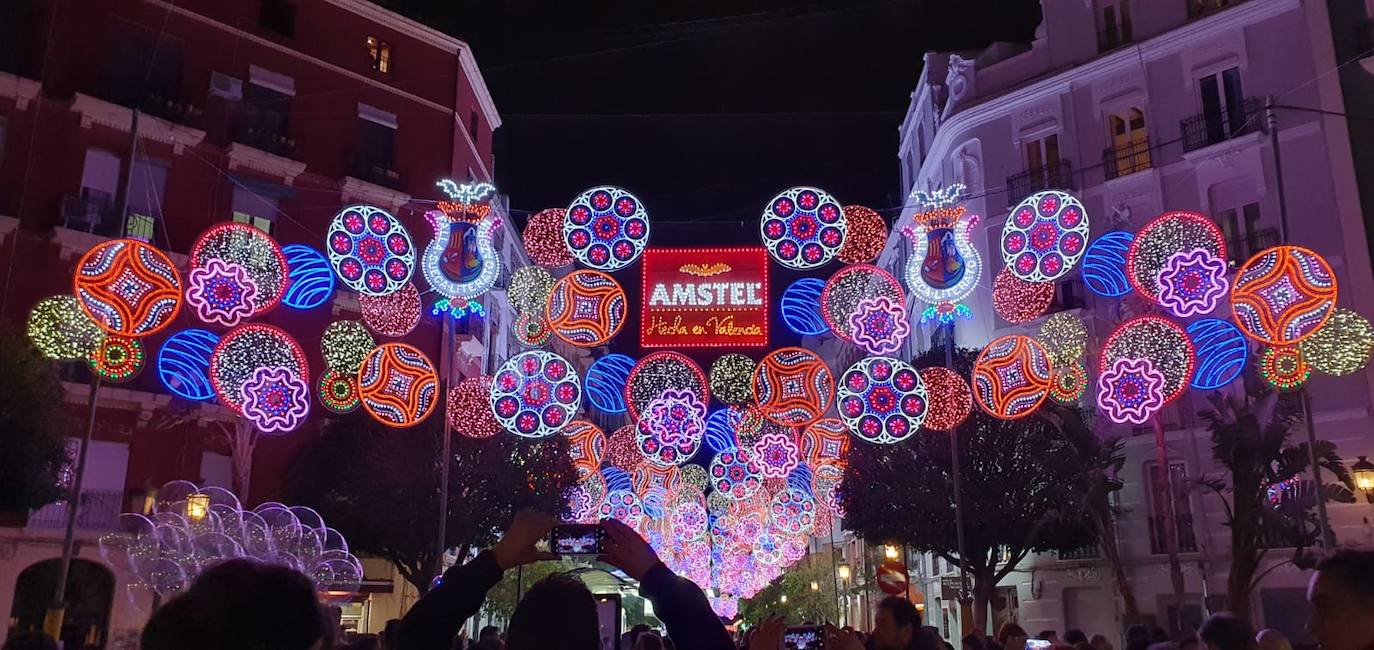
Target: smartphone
576	539
1037	644
804	637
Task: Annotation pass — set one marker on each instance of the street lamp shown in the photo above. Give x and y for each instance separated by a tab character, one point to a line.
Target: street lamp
783	600
844	571
197	506
815	586
890	551
1364	477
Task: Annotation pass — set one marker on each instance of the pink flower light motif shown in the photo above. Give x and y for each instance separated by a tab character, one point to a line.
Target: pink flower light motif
776	454
670	431
221	292
1131	390
1192	282
688	520
879	324
275	399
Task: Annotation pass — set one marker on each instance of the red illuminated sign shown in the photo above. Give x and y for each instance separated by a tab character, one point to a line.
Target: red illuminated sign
704	297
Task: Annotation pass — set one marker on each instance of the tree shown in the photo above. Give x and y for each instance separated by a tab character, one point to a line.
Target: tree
34	420
804	605
1269	506
1101	482
1024	487
379	486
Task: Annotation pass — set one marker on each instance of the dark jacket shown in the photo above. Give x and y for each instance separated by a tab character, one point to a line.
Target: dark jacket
433	622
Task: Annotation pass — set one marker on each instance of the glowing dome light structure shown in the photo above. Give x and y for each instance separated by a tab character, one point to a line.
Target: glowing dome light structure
461	263
945	267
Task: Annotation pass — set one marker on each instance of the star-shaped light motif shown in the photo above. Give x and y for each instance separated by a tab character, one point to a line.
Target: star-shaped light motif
776	454
879	324
221	292
1131	390
275	399
1192	282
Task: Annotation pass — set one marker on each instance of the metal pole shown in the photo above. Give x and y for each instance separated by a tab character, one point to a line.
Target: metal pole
447	445
52	623
958	493
125	172
1170	523
1271	122
834	572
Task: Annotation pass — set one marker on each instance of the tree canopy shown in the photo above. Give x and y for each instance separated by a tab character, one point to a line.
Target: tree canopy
804	605
34	420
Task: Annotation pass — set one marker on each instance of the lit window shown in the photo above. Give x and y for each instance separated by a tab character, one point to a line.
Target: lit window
260	223
139	226
380	53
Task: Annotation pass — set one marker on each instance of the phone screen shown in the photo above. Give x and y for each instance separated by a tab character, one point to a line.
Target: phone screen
805	637
1037	644
576	539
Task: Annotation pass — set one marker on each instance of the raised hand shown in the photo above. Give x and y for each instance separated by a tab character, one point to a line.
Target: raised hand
516	546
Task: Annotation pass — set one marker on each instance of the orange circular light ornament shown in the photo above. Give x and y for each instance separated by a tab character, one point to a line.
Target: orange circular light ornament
586	308
398	385
793	387
825	441
1012	377
1285	367
586	446
951	399
1162	238
127	287
866	237
1283	295
1164	343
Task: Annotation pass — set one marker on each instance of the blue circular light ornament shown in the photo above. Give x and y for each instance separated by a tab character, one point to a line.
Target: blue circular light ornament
617	479
370	249
183	364
310	280
605	382
803	227
720	429
606	228
800	479
1221	352
1104	264
801	307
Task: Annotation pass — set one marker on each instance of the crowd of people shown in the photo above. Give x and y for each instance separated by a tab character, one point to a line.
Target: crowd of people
244	605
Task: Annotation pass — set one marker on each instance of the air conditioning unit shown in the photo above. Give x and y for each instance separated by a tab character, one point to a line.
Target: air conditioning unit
223	85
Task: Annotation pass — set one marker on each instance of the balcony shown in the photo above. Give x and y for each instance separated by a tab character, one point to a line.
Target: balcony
1113	37
375	170
1205	129
1285	537
92	212
172	110
98	510
1187	540
1057	175
1126	158
273	141
1243	248
1090	552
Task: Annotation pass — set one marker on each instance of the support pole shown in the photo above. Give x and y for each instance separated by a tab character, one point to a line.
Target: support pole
834	572
1170	518
57	611
447	445
125	173
964	592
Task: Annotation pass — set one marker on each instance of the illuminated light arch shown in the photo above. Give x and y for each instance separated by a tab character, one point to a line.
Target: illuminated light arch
606	228
803	227
586	446
1163	342
661	371
670	430
944	267
793	386
1130	390
949	396
1283	294
1284	367
849	287
398	385
882	400
468	408
1045	236
244	349
275	399
253	250
586	308
127	287
1161	239
1011	377
183	363
1342	346
800	307
338	391
1104	265
310	280
865	235
1221	350
117	359
370	250
605	382
535	394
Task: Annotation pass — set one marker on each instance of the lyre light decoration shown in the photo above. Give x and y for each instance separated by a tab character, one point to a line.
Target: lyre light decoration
792	511
731	378
461	263
1018	301
338	391
826	441
127	287
1011	377
392	314
734	474
117	358
398	385
1192	282
1164	237
370	250
222	293
945	267
1163	342
468	408
543	239
344	344
865	235
1342	346
275	399
1069	382
310	281
879	325
1065	337
253	250
606	228
183	363
586	308
1221	352
661	371
529	288
61	330
605	382
949	399
803	227
800	307
1283	294
1104	265
1130	390
535	394
246	348
622	505
1284	367
849	287
586	446
704	297
670	430
1045	236
882	399
776	454
793	386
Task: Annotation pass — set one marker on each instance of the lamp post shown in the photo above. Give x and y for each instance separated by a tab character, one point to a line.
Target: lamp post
844	573
1363	471
890	551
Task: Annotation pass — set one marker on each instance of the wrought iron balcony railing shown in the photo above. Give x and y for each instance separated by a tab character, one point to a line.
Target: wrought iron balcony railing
1057	175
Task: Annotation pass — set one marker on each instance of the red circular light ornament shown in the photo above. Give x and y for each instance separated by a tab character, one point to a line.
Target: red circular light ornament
1019	301
469	408
1163	342
398	385
1163	237
951	399
866	237
394	314
793	386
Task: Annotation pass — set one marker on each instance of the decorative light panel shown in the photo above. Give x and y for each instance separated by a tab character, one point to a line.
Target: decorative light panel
543	238
221	293
1065	337
1221	353
117	359
1192	282
793	386
803	227
338	391
586	445
310	281
398	384
826	441
586	308
535	394
253	250
735	474
183	363
344	344
1283	295
127	287
945	267
1019	301
731	378
392	314
865	235
849	287
605	382
882	399
1284	367
275	399
1011	377
1162	238
246	348
800	307
1163	342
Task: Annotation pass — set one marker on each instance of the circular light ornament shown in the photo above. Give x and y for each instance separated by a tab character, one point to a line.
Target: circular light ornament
529	288
865	236
61	330
117	359
1283	295
622	449
950	400
310	281
393	314
606	228
1162	238
338	391
1104	265
826	441
1192	282
793	386
734	474
1065	337
1045	236
1284	367
241	245
882	399
370	250
803	227
586	308
1130	390
1011	377
622	505
468	408
1221	352
1068	382
543	239
661	371
880	325
776	454
1163	342
275	399
792	512
586	446
221	292
800	307
530	329
849	287
1342	346
127	287
720	429
345	344
244	349
670	431
1018	301
535	394
398	385
183	363
605	382
731	378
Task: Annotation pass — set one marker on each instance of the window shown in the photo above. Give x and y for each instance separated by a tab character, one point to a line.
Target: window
255	208
1244	235
265	119
375	159
1114	28
278	16
1223	104
1130	144
380	53
472	128
1042	153
147	185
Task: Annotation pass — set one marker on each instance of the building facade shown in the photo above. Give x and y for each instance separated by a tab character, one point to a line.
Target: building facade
274	113
1138	108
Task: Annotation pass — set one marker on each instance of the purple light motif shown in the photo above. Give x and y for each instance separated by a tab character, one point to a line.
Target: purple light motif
671	430
879	324
221	292
275	399
777	455
1131	390
1192	282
